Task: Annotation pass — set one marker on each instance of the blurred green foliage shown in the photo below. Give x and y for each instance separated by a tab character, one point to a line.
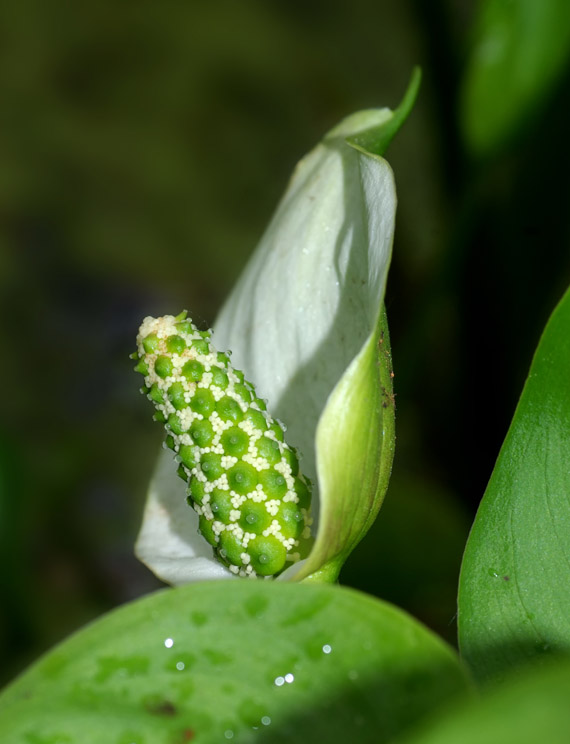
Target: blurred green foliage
143	149
520	49
530	709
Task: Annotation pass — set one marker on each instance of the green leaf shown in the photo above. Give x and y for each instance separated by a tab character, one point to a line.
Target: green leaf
244	660
526	711
520	50
514	594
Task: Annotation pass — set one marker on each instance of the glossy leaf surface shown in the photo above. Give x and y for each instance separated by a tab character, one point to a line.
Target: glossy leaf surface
246	660
514	596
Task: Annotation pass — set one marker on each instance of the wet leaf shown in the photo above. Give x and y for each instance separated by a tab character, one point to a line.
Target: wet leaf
246	660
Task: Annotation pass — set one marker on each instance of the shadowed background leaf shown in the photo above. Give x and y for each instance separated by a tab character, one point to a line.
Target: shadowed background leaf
529	709
514	599
520	51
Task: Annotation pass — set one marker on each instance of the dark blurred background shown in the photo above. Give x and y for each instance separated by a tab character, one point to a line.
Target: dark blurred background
143	148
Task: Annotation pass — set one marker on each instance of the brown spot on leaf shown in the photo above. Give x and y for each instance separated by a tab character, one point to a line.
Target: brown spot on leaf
161	708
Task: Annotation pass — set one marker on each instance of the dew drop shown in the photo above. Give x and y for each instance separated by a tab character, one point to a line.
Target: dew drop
168	642
279	681
493	573
180	665
289	678
315	646
263	558
266	720
327	648
250	519
229	734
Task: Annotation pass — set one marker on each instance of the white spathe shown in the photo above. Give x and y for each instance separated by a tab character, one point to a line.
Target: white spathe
301	312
